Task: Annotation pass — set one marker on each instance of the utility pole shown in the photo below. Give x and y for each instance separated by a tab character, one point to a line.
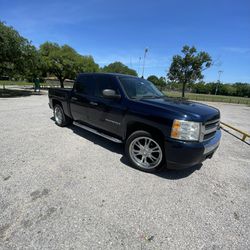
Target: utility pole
139	67
218	82
144	58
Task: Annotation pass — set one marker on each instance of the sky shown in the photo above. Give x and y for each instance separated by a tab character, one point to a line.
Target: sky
113	30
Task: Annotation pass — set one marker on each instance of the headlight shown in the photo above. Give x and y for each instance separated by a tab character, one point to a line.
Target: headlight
186	130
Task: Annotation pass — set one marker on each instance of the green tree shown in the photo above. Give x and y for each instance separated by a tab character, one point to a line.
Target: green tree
189	67
231	90
162	83
64	62
32	64
17	55
211	87
87	64
200	88
159	82
118	67
242	89
154	79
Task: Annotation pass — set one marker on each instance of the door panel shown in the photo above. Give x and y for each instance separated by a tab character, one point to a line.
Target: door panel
107	115
80	100
79	106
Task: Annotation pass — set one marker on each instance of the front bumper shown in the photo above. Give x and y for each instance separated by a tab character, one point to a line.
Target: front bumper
181	154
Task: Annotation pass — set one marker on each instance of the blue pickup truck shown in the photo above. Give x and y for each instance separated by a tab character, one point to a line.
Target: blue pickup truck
156	130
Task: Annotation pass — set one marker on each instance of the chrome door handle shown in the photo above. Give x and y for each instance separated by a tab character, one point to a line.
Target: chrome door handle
93	103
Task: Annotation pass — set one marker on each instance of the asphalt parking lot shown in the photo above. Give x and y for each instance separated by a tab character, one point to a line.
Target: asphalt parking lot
64	188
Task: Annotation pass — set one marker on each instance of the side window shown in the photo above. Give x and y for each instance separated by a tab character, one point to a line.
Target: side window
84	85
104	82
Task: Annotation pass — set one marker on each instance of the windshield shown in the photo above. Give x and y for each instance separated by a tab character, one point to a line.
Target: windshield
139	88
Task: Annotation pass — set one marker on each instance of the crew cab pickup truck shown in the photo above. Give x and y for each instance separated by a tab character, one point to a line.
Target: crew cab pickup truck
156	130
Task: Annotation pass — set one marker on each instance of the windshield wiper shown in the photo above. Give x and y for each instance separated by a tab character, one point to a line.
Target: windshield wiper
152	96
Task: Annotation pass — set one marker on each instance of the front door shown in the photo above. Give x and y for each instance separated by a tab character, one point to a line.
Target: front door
106	114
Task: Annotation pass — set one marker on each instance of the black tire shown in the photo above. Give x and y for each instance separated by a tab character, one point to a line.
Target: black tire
130	147
63	120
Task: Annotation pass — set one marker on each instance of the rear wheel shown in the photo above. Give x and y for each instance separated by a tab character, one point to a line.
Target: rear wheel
60	118
145	151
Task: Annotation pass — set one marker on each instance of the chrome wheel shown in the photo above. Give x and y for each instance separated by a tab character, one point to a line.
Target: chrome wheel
145	152
58	115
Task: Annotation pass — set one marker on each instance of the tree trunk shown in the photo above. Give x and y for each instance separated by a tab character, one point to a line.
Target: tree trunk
183	89
61	82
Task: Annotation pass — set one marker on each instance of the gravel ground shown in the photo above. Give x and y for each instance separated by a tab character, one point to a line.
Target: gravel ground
64	188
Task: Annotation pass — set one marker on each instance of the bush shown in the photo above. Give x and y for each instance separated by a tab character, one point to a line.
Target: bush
236	89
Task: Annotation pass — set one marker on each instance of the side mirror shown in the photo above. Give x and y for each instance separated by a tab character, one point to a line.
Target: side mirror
110	94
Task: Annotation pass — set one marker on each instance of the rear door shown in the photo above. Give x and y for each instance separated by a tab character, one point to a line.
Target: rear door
106	114
80	100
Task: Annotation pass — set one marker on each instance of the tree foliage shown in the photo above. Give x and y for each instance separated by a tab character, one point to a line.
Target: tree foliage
64	62
32	65
17	56
118	67
189	67
159	82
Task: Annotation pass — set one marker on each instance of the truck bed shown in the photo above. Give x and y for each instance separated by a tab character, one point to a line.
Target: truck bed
62	96
59	93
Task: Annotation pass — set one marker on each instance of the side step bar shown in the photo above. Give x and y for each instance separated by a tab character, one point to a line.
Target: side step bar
113	139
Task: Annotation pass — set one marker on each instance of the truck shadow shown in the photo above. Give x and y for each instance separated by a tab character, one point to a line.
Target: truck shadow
119	149
11	93
170	174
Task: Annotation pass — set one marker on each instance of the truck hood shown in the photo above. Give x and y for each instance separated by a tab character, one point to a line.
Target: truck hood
196	111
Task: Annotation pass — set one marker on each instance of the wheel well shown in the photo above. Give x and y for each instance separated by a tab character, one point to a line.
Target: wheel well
54	102
132	127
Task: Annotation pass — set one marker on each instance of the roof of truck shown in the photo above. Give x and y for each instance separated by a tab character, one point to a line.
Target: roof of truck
110	74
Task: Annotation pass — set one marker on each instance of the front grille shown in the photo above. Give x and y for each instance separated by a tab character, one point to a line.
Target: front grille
209	136
209	129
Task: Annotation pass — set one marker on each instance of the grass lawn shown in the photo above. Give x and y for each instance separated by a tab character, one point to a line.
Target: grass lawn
210	98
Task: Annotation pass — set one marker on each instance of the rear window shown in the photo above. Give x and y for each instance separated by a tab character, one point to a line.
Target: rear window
84	85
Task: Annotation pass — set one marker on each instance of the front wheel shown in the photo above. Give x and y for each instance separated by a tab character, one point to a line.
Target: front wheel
145	151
